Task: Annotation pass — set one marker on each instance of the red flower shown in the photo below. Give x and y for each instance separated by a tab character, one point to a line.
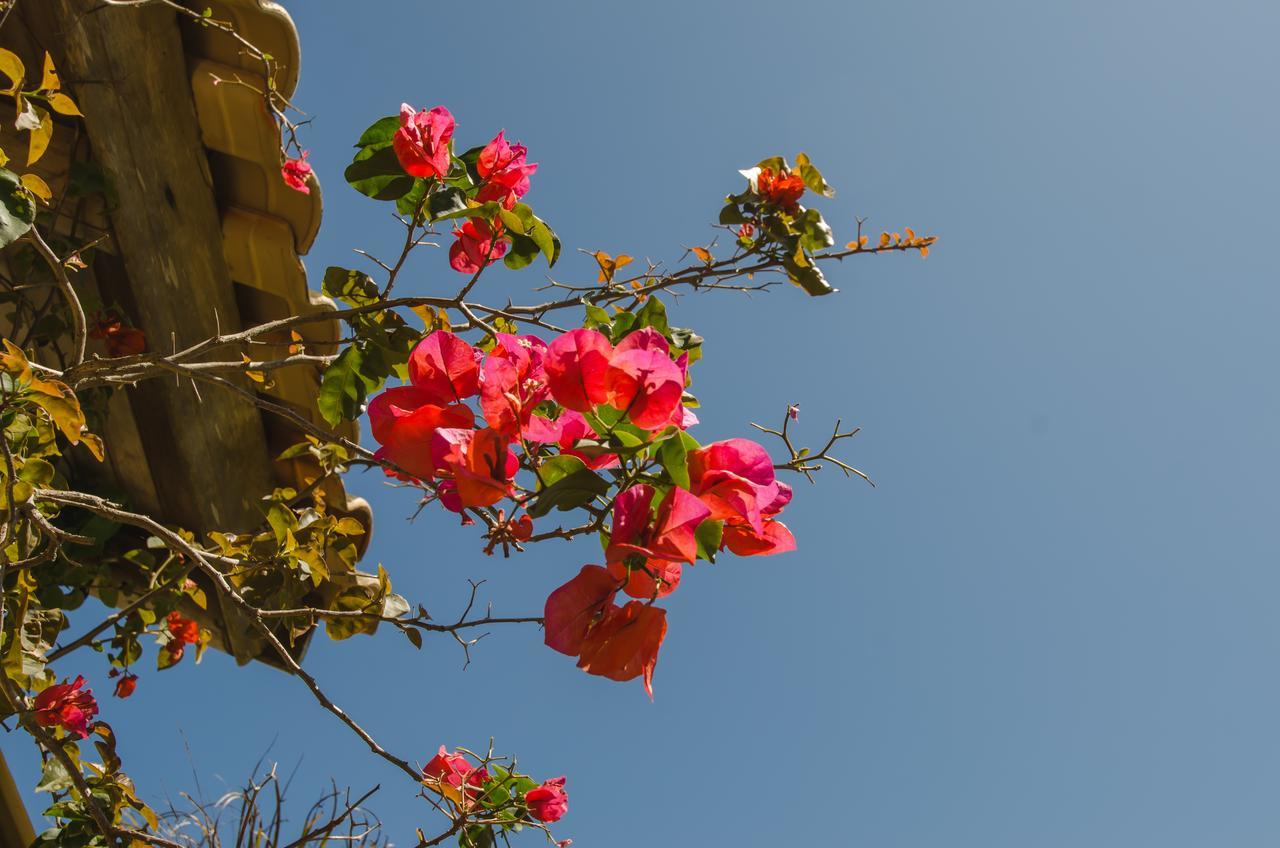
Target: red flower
576	365
735	478
183	630
296	172
445	367
422	142
548	802
64	705
513	384
126	684
120	340
403	420
747	230
573	608
506	174
452	775
782	190
479	462
478	244
649	550
643	381
620	643
624	644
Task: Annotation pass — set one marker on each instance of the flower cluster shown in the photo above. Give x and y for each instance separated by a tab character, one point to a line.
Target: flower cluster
423	147
535	423
68	706
506	795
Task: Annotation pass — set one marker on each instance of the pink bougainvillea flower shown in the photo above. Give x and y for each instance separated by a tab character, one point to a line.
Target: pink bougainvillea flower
478	244
781	189
296	172
65	705
505	173
478	461
453	776
735	479
548	802
773	538
574	428
624	644
126	685
573	608
643	381
649	579
445	367
422	142
668	536
577	363
513	385
403	420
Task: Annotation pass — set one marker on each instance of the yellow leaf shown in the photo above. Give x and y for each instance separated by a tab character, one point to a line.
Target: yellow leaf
853	245
862	241
4	158
49	80
911	236
255	376
703	254
884	239
924	252
40	136
298	345
64	105
897	238
12	67
37	186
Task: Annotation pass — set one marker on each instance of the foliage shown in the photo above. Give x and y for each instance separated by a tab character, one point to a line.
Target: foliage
524	429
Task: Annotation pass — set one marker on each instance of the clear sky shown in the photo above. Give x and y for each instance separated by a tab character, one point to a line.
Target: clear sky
1053	623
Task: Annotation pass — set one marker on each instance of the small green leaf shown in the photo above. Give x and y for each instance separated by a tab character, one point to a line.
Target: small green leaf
708	535
565	482
375	172
17	209
522	253
353	287
813	177
380	132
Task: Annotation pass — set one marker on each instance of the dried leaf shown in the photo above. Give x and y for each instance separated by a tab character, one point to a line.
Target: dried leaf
49	79
12	67
37	186
703	254
64	105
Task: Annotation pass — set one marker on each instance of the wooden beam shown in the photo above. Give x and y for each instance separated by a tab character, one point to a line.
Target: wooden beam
128	73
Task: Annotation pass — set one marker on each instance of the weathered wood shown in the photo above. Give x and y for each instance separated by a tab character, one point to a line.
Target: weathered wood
127	71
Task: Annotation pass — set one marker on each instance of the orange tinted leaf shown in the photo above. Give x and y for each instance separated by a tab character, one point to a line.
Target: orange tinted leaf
12	67
703	254
49	79
911	236
862	241
884	239
609	265
624	644
924	252
575	606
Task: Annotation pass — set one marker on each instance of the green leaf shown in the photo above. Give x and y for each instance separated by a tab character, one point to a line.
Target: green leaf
409	204
342	388
813	177
674	458
565	482
597	318
17	209
708	535
522	253
353	287
801	271
547	241
653	314
814	232
54	777
732	214
375	172
446	200
380	132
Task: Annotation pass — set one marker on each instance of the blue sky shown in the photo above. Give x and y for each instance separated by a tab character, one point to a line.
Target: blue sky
1053	623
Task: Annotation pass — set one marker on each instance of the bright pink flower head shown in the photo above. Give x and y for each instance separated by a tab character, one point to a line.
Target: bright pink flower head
296	172
513	383
403	420
445	367
577	363
478	461
453	776
422	142
643	381
548	802
735	479
506	174
653	547
478	244
65	705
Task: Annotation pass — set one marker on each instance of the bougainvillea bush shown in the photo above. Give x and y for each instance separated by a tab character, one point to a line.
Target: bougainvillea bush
571	416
